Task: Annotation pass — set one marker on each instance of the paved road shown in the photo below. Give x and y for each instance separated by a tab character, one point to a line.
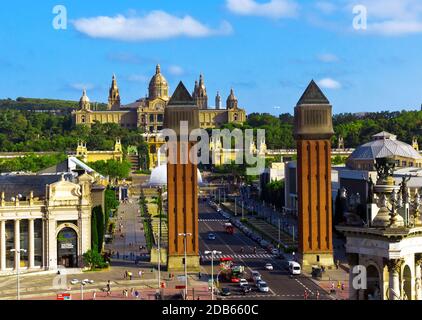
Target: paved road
282	285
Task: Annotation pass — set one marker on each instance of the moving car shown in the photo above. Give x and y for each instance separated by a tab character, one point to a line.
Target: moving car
275	251
234	280
225	292
243	282
211	236
262	286
294	268
269	266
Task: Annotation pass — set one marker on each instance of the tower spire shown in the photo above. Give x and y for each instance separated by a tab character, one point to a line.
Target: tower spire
114	95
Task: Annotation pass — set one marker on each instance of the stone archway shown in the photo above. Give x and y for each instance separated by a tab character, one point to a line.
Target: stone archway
373	291
407	283
67	247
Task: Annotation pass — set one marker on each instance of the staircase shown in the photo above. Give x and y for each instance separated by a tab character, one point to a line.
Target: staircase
134	160
164	231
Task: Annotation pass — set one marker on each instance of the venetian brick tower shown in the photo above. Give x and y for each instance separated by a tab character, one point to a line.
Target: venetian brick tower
313	132
182	185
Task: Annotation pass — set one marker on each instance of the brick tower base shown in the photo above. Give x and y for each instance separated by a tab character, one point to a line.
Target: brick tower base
307	260
175	264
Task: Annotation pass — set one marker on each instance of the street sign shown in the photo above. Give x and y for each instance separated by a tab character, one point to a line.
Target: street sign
64	296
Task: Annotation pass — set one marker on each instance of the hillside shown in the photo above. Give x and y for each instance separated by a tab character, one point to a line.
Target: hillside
43	105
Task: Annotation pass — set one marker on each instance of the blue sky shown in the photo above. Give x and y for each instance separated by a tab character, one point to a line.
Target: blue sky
267	50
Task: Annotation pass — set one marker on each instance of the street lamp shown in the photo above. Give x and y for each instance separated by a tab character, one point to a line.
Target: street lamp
18	258
160	206
213	252
82	283
185	235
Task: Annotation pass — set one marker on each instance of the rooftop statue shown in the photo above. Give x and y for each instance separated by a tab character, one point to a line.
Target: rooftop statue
385	169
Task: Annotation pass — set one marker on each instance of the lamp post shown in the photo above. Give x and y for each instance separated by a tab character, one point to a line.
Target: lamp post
185	235
213	252
18	258
83	283
160	212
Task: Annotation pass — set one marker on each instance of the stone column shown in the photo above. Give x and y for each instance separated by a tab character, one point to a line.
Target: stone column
418	277
17	242
353	260
31	246
394	267
2	245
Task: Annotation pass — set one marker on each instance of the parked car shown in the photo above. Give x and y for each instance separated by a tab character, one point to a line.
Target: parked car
269	266
234	280
225	292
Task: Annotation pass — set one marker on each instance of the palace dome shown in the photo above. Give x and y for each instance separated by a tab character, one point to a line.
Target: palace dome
385	145
158	86
159	176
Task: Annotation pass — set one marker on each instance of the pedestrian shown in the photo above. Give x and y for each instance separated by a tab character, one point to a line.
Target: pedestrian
125	275
94	295
108	288
140	273
342	286
305	295
337	264
137	294
199	275
338	285
317	295
132	292
118	255
130	275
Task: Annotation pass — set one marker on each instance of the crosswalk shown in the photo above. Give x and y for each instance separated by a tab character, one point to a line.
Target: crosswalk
240	256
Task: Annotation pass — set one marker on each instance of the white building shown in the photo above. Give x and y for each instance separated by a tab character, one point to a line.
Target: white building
47	216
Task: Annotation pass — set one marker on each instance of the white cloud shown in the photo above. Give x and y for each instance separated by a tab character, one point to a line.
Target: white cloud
138	78
272	9
328	58
153	26
81	86
328	83
393	17
326	7
176	70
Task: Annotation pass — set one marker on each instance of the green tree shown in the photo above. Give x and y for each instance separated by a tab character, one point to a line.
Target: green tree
99	219
94	231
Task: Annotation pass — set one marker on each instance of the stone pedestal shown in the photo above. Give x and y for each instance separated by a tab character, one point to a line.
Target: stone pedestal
155	256
307	260
175	264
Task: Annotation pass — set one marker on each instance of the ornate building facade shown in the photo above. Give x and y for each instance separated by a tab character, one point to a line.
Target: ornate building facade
148	113
47	216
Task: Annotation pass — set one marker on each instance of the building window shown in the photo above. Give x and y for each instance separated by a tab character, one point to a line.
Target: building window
160	118
151	118
10	244
24	242
38	242
404	163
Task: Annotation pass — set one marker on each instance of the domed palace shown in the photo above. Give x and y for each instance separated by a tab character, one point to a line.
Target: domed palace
385	145
148	112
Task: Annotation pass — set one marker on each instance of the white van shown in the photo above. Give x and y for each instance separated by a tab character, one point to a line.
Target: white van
294	268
